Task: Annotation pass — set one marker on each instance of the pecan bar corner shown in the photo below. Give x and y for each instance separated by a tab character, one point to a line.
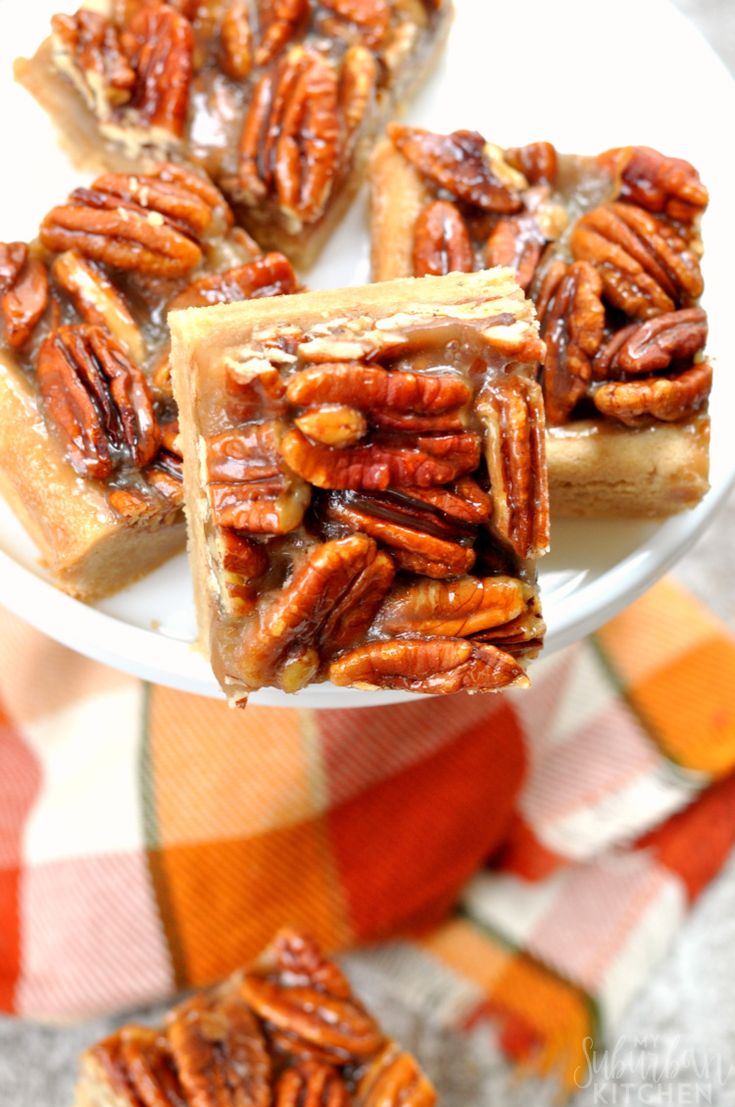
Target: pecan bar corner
285	1032
366	485
609	249
89	456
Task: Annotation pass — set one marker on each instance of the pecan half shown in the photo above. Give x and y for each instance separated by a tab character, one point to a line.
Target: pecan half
336	580
267	275
220	1053
249	488
87	46
97	399
381	463
237	40
441	241
358	79
281	19
456	610
652	346
371	18
458	163
430	665
419	542
537	162
668	186
146	224
291	136
311	1084
159	43
517	243
513	413
394	1079
24	292
370	387
98	301
572	319
333	425
242	561
666	398
646	267
295	989
137	1064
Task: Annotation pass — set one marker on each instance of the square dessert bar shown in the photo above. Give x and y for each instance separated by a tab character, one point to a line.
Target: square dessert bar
608	248
366	485
287	1032
88	434
279	100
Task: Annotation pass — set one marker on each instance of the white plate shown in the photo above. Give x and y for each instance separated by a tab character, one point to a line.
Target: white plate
575	73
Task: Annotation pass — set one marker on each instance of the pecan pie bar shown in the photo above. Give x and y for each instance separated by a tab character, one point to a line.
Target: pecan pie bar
88	435
608	248
289	1032
366	485
279	100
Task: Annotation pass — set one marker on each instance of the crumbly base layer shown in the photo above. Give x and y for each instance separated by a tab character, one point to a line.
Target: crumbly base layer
600	471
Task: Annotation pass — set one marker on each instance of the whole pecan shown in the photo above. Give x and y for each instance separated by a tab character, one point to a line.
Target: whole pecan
237	40
645	177
220	1052
370	387
572	318
417	539
159	43
24	292
97	399
667	398
142	223
291	136
249	488
340	585
88	44
394	1079
311	1084
268	275
371	18
652	346
297	990
281	19
518	243
646	267
513	413
458	163
383	462
430	665
441	242
98	301
537	162
456	610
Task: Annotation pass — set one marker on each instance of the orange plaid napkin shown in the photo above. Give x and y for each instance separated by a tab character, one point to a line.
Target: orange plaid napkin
151	840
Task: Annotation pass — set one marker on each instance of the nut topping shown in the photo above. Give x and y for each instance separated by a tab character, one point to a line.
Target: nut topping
430	665
662	185
537	162
370	387
282	19
159	42
457	610
459	164
572	322
517	243
311	1084
513	412
220	1052
652	346
666	398
267	275
24	292
237	40
98	400
646	268
333	425
98	301
358	79
295	989
441	241
370	17
86	45
394	1080
137	1064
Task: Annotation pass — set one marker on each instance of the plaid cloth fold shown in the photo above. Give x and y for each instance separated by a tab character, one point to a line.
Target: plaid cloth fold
530	856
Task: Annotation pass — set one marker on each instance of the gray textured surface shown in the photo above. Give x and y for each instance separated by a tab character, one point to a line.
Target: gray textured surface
677	1043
